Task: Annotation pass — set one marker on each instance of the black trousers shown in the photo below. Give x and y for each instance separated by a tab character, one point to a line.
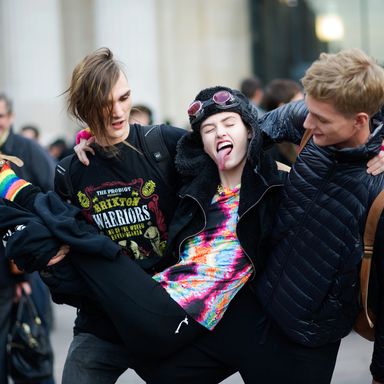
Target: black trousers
247	342
151	324
167	346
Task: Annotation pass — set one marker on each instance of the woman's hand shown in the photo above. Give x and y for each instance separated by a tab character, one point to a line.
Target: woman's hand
83	147
61	253
376	164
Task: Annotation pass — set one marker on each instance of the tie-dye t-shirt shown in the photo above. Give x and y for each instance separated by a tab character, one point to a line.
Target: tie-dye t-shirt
212	266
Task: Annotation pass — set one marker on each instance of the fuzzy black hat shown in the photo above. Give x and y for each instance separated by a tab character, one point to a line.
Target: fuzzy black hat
239	104
190	156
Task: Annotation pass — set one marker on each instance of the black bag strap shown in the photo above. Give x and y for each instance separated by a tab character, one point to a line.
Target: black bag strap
63	182
373	218
156	151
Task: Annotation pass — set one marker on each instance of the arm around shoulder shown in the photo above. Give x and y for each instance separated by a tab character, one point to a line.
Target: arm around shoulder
284	123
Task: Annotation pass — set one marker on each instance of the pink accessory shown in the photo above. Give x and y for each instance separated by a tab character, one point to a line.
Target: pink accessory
83	134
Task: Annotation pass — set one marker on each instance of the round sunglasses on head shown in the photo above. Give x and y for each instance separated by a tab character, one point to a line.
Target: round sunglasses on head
222	99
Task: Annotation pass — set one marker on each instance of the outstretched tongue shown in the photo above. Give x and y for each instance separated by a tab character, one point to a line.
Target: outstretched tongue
222	156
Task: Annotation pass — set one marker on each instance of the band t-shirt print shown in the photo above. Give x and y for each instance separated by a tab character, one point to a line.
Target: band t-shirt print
127	200
125	211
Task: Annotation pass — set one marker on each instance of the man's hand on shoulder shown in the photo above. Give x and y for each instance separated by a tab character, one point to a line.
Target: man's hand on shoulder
375	166
84	139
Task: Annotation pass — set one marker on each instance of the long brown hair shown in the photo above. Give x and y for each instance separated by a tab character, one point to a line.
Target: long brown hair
88	95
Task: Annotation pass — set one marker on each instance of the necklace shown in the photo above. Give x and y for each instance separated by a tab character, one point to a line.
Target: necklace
222	190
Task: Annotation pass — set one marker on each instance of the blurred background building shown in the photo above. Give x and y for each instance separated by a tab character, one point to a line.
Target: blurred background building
171	48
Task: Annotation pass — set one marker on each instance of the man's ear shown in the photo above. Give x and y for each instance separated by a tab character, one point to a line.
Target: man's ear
361	120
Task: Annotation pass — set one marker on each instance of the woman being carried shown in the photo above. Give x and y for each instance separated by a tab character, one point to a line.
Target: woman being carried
220	230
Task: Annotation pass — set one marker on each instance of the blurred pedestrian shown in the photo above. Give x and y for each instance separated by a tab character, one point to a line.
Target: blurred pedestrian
277	93
141	114
59	149
30	132
252	88
38	169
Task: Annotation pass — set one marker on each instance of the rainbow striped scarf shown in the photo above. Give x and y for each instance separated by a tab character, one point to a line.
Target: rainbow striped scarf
10	184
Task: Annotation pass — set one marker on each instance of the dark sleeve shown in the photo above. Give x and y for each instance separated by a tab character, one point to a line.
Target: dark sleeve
376	293
284	123
26	197
7	277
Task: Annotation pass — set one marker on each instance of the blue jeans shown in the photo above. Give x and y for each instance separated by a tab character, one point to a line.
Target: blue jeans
91	360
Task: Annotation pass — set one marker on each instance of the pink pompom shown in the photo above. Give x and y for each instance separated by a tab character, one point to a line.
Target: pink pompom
83	134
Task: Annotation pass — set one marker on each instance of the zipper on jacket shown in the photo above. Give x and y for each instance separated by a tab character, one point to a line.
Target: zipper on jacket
197	233
240	217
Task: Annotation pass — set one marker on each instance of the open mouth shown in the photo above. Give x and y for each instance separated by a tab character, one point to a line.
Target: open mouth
223	151
224	145
118	124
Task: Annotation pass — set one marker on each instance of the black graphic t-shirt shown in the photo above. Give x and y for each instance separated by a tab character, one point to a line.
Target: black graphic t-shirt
127	199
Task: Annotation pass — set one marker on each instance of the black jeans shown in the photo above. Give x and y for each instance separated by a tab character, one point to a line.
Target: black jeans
247	342
151	324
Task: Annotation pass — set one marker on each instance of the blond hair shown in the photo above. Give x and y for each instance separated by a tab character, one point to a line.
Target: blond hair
350	79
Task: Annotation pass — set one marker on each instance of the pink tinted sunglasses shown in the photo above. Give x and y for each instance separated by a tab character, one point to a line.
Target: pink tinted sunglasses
223	100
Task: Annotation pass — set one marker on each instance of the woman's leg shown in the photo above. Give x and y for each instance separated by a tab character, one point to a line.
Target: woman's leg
217	354
150	322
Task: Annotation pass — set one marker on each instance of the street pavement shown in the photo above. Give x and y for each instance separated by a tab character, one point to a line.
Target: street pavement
352	366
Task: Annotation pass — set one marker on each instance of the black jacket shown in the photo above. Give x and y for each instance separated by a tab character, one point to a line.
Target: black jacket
43	225
259	194
38	169
310	286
